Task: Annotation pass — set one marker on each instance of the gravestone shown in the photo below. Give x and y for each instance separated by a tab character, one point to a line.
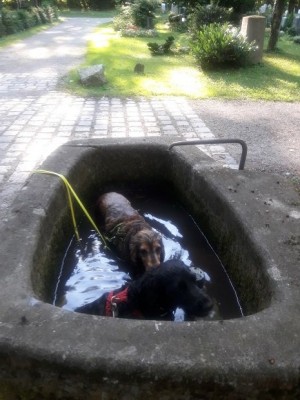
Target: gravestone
296	24
139	69
174	9
253	29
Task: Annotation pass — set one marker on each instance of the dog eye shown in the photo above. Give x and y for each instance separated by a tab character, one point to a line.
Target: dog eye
157	250
143	252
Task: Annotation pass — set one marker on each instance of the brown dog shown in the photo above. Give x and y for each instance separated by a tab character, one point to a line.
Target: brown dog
134	240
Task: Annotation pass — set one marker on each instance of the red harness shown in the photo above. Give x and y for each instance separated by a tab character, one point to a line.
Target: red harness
112	301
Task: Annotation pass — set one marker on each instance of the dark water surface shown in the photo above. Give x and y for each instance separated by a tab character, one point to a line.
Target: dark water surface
87	271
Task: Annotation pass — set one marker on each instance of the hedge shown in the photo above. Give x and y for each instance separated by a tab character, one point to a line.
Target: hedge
13	21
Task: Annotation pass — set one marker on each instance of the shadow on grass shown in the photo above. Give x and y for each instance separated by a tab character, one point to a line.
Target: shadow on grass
277	77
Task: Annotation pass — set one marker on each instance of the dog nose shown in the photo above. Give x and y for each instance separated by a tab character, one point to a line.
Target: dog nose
152	262
152	265
156	263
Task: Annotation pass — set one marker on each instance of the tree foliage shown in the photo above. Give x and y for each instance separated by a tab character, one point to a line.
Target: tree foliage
202	16
238	6
14	21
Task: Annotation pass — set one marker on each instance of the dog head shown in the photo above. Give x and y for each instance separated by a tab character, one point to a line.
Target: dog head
185	292
146	249
160	291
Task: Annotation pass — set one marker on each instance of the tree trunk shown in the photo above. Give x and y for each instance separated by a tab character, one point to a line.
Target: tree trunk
275	23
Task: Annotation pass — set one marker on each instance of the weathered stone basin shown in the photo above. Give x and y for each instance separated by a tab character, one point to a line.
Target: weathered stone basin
253	221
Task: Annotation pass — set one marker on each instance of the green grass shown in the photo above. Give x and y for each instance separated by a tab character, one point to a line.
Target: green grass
277	78
164	75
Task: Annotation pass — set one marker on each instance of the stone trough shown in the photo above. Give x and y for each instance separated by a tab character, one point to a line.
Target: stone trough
251	218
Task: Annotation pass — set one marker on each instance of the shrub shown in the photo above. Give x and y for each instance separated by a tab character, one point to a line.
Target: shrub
11	21
176	23
136	14
55	12
142	10
26	18
2	29
202	16
36	16
291	31
161	49
124	19
43	15
49	13
221	46
139	33
296	39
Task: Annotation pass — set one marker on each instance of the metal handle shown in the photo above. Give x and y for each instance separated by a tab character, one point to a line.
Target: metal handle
216	141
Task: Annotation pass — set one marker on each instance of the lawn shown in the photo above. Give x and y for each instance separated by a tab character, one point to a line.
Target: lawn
276	78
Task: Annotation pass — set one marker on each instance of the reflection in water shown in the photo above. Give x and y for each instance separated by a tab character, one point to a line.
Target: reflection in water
93	272
88	270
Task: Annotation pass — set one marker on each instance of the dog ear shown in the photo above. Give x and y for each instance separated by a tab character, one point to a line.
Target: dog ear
133	252
134	257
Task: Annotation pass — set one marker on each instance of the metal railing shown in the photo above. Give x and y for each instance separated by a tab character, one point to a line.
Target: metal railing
216	141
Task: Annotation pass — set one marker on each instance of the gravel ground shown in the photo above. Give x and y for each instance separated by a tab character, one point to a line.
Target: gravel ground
270	129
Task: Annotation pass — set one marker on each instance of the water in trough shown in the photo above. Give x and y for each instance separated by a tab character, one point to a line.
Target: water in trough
87	270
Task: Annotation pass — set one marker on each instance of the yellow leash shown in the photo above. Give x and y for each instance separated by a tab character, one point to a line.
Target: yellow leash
70	192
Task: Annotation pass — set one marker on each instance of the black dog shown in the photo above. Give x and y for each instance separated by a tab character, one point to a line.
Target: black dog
155	295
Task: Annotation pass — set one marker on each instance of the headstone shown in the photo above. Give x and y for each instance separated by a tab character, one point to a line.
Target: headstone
174	9
296	24
283	22
263	8
253	29
149	23
92	76
139	69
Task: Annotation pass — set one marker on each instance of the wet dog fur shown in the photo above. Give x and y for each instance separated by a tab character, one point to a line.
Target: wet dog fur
130	235
157	294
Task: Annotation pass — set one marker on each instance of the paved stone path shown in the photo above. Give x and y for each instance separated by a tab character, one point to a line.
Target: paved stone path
36	118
